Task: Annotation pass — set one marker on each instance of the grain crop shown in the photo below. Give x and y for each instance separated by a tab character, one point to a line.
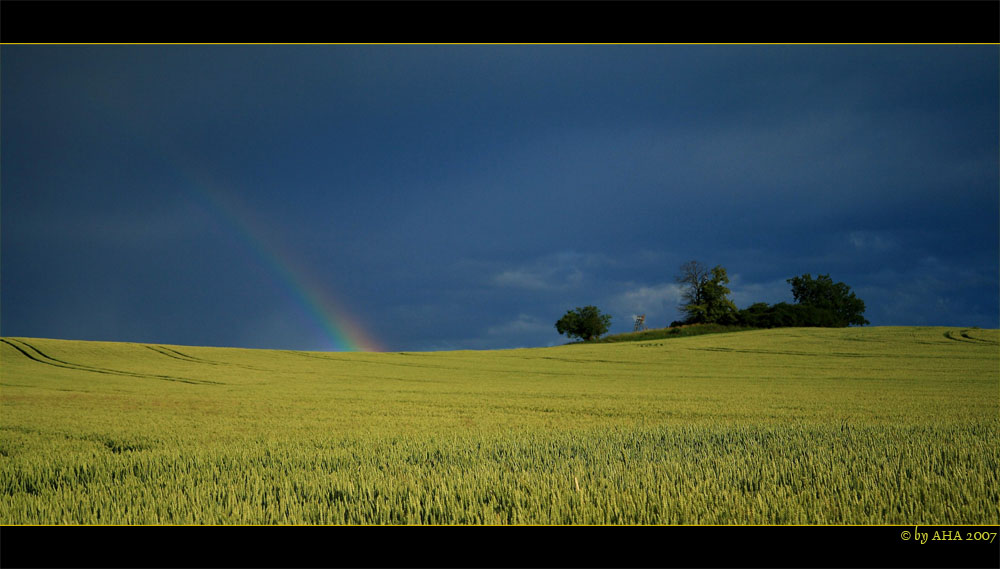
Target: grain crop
887	425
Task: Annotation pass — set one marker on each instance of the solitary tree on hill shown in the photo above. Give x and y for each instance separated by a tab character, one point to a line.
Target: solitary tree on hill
586	323
705	296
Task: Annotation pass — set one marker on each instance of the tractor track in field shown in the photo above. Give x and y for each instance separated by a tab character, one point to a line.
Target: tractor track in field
965	334
413	365
964	337
881	355
380	363
43	358
177	355
589	360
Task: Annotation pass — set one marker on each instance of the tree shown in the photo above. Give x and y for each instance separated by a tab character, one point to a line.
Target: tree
824	294
706	297
586	323
763	315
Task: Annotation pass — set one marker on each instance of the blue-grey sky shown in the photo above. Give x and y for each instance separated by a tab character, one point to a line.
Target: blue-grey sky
452	197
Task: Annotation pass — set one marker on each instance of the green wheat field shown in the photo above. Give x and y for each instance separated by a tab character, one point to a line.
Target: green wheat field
890	425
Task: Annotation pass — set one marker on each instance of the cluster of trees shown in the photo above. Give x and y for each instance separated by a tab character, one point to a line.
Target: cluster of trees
819	302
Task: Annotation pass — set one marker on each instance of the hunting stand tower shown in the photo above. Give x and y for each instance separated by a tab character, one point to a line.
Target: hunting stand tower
640	323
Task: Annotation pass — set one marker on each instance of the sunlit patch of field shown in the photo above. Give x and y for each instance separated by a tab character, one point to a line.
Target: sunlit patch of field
789	426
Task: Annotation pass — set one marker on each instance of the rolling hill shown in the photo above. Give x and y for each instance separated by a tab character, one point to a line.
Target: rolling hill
785	426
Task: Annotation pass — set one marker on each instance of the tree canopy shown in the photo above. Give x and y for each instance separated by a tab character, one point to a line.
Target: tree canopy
819	302
586	323
763	315
824	294
705	296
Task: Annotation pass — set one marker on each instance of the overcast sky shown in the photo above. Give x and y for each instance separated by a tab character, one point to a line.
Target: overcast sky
452	197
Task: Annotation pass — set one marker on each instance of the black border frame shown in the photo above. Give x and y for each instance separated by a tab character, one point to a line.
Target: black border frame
493	21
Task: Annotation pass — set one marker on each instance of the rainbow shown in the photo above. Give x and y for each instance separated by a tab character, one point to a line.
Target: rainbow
341	330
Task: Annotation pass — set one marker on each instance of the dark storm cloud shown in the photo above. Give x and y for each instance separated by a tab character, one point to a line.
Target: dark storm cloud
466	196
